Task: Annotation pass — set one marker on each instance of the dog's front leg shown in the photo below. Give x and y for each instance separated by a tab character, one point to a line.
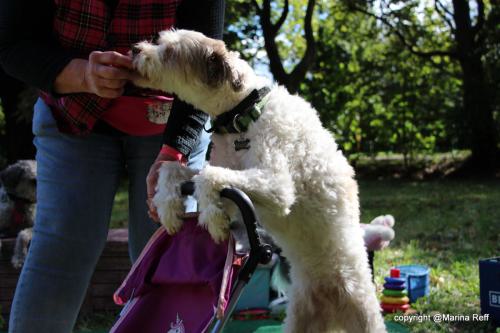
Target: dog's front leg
21	248
168	200
266	187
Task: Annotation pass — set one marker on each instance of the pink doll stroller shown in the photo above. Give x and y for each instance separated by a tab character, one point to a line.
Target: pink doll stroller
186	283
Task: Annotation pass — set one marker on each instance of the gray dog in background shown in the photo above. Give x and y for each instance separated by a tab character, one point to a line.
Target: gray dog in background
17	206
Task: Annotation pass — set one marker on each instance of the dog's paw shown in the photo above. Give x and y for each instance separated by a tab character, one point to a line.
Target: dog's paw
168	200
212	215
170	175
17	261
216	221
169	211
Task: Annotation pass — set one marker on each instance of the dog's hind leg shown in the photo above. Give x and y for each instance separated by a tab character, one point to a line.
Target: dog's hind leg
333	306
274	190
359	311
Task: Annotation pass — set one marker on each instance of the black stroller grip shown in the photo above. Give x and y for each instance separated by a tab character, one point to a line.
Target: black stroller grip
187	188
259	252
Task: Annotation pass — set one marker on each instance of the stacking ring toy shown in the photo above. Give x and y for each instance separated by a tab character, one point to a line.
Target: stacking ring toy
395	307
394	286
393	280
395	300
394	293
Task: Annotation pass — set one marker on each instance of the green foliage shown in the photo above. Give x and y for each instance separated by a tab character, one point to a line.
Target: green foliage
369	89
375	95
243	33
119	215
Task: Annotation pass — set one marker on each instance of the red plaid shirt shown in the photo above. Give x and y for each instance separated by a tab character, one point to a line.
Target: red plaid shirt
84	26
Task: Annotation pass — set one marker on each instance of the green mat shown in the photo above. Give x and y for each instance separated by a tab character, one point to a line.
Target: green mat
273	326
253	326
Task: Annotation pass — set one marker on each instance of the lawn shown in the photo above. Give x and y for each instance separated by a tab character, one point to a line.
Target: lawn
446	225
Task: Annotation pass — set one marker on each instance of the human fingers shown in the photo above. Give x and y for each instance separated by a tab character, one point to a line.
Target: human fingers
105	81
152	180
109	93
110	84
152	212
109	72
111	58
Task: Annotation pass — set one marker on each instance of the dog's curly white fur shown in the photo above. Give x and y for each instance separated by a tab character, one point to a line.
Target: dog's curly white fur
302	185
168	196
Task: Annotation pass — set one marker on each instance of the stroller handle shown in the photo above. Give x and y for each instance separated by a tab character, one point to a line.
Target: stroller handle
259	252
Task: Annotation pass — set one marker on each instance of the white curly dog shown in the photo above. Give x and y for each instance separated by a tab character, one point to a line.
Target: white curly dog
288	164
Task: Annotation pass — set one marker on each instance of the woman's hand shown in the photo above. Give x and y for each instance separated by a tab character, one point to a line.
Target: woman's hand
103	74
166	154
152	180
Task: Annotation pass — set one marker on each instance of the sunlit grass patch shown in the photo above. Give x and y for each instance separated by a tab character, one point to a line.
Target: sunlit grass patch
447	226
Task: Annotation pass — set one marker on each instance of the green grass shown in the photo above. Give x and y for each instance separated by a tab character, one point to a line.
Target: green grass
119	215
96	323
446	225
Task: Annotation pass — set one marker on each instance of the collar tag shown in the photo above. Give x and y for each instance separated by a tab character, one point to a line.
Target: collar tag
241	144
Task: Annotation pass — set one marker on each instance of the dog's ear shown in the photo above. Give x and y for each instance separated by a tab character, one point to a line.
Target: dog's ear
220	70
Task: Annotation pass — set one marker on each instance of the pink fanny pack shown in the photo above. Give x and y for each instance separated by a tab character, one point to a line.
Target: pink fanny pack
179	283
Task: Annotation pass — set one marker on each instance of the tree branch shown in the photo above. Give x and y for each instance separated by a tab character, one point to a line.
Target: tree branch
282	18
402	38
442	12
257	7
275	63
480	17
301	68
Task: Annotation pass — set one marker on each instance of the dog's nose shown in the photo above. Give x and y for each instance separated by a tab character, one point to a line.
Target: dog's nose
135	50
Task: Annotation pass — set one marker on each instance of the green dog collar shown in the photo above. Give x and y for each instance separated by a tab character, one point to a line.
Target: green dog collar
239	118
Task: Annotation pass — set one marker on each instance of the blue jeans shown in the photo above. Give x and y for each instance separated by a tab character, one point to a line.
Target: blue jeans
77	181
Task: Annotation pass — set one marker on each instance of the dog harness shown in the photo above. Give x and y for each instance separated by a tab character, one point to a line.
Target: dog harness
242	115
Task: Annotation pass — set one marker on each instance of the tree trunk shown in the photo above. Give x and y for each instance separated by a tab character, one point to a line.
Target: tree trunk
478	102
270	30
478	112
